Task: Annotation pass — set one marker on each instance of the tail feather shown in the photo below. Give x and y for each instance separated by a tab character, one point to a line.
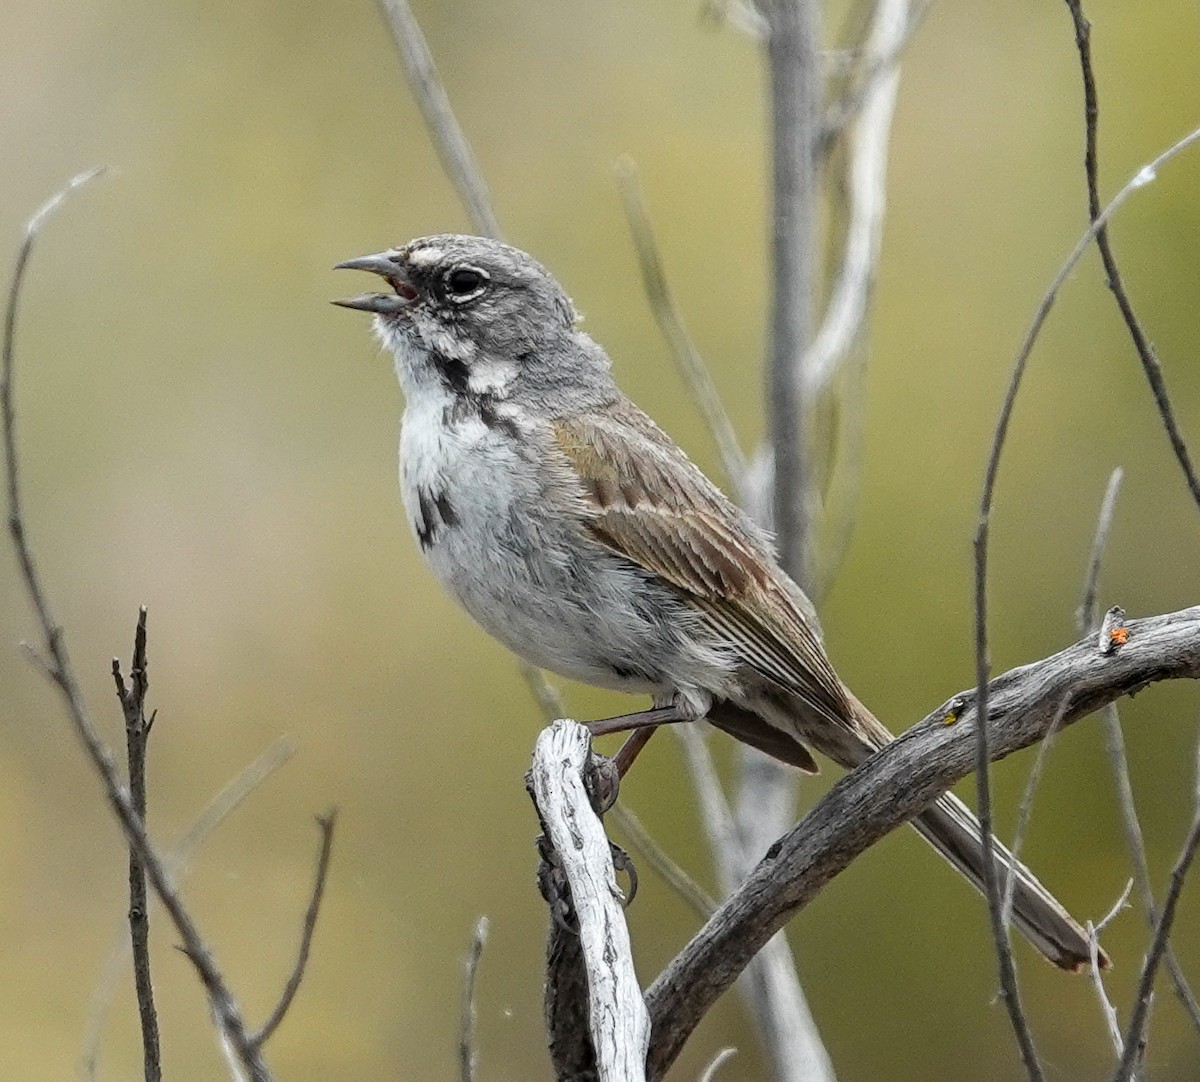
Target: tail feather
952	829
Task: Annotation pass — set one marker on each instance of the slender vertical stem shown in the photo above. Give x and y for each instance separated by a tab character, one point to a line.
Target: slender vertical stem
137	738
795	105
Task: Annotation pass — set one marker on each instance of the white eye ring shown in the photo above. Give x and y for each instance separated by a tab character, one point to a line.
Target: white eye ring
465	282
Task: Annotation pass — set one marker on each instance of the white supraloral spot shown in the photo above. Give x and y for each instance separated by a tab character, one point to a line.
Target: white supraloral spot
425	257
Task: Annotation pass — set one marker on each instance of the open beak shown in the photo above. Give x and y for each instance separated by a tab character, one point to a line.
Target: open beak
389	267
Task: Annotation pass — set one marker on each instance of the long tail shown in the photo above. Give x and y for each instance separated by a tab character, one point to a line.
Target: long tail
952	829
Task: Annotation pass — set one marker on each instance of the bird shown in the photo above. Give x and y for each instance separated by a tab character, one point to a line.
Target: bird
579	534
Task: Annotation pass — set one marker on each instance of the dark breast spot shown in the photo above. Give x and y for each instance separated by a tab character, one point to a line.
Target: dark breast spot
435	513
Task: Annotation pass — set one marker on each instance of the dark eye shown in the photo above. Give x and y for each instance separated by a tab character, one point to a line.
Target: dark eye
463	283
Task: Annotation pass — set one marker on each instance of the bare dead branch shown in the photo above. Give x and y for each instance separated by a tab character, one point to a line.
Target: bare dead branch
770	985
137	735
455	152
326	824
618	1023
1135	1035
467	1057
890	788
1145	351
1025	814
61	673
688	361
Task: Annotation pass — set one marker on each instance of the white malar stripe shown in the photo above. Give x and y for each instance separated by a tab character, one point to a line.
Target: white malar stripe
491	377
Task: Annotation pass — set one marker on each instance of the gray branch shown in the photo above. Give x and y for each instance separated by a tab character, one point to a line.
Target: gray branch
890	788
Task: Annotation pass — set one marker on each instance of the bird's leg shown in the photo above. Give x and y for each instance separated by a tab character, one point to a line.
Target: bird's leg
628	751
641	719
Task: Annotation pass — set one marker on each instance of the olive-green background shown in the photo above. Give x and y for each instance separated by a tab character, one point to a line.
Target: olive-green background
203	433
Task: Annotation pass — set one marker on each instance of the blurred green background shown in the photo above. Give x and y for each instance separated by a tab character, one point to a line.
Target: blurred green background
204	434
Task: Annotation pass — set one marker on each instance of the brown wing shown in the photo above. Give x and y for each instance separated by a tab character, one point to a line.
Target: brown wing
653	506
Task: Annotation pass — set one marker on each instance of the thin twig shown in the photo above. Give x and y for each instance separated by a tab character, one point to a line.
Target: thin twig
718	1061
467	1053
1085	616
688	361
225	1010
231	796
1135	1034
1004	953
1145	351
326	823
1106	1008
137	736
455	152
1083	619
1114	746
1025	814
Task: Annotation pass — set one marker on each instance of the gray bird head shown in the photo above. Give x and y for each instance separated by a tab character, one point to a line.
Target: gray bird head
470	308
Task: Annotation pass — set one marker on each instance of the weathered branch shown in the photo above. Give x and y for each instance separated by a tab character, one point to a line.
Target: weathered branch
850	296
580	852
890	788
